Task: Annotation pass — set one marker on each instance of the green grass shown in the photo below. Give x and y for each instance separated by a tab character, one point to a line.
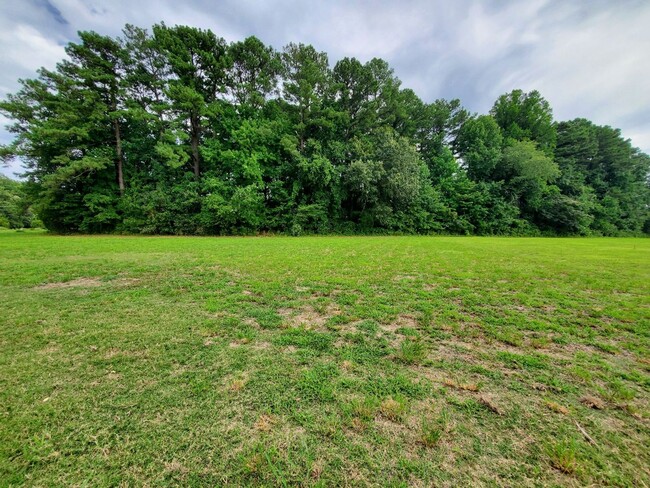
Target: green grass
386	361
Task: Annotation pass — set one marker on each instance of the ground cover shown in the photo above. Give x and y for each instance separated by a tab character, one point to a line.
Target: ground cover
392	361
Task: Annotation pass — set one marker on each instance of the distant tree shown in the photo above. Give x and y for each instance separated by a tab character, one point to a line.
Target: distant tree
479	144
526	172
601	169
254	73
198	62
524	116
305	87
15	208
436	136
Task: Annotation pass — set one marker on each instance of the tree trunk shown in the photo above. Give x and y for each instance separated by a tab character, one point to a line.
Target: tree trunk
195	130
118	157
302	129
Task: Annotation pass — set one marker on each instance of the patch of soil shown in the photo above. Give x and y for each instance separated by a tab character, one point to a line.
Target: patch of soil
308	317
404	277
77	283
86	283
252	323
405	321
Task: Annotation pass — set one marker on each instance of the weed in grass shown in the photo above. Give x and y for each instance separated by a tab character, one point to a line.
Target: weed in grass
510	337
618	391
368	326
432	431
393	408
431	434
606	347
581	373
316	470
318	341
540	342
560	339
411	351
563	456
315	384
525	361
364	409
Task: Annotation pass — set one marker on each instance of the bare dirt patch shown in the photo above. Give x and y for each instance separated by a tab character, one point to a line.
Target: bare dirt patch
264	423
51	348
309	317
176	467
86	283
115	352
404	277
258	346
125	281
252	323
405	321
594	402
77	283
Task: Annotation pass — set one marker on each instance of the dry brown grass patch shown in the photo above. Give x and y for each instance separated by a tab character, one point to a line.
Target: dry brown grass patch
113	375
309	317
556	407
237	385
76	283
358	425
115	352
461	386
252	322
347	365
316	470
264	423
391	409
488	402
176	467
591	401
50	349
404	277
405	321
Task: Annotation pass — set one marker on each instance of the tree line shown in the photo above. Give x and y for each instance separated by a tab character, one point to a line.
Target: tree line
174	131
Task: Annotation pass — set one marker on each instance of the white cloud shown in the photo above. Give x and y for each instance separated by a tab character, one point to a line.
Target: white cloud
31	49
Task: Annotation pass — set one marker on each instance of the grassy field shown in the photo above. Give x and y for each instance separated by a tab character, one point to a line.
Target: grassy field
388	361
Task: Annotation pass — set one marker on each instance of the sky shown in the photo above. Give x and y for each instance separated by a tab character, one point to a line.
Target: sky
588	58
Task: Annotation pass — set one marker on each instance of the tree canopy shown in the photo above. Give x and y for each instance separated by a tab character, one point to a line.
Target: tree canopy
176	131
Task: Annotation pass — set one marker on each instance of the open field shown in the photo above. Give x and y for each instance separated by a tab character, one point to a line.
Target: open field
392	361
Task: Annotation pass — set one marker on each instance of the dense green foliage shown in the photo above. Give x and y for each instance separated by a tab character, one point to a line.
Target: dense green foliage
177	132
15	210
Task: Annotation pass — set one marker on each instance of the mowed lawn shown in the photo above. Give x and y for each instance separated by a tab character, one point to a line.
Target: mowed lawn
347	361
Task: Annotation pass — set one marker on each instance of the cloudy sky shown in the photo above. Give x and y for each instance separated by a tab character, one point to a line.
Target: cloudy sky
588	58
